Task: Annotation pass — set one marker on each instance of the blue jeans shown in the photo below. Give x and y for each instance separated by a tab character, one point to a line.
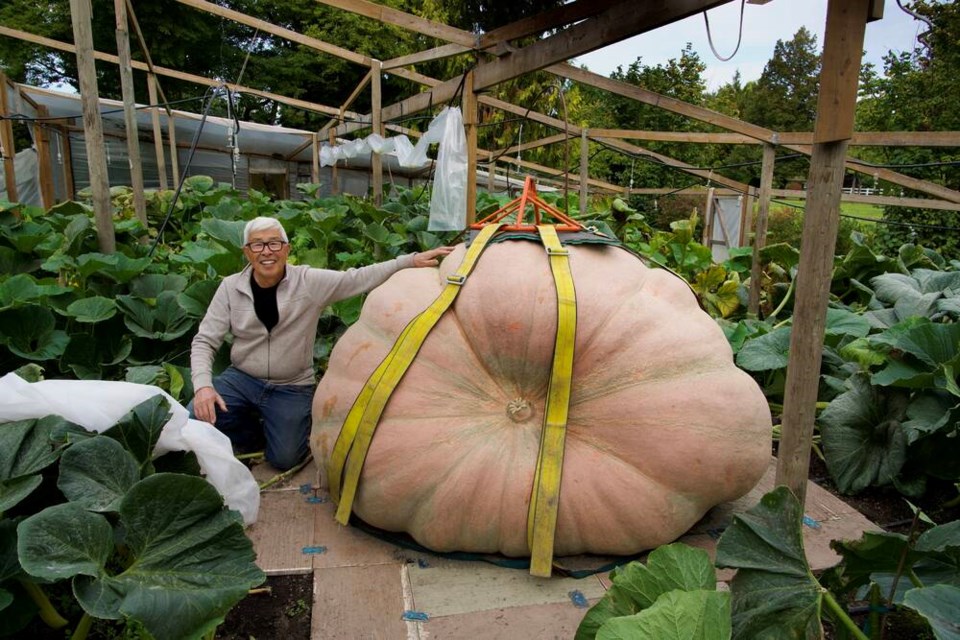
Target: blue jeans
260	413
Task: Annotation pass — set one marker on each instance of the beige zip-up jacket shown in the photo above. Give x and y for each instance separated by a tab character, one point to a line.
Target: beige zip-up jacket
284	355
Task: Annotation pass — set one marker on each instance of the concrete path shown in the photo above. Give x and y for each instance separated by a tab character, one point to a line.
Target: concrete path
367	588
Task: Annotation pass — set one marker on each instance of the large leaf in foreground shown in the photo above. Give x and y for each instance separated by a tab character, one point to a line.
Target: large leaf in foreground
768	352
191	561
774	593
97	473
863	441
637	586
139	430
677	615
63	541
30	332
939	605
26	449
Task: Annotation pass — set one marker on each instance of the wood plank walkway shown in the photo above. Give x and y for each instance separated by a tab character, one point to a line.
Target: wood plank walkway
365	587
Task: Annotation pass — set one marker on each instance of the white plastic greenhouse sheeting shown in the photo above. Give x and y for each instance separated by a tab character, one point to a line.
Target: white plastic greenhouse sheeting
26	170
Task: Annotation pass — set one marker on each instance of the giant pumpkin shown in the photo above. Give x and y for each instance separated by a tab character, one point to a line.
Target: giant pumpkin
662	426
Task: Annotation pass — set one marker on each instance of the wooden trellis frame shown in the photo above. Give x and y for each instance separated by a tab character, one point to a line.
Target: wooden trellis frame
598	23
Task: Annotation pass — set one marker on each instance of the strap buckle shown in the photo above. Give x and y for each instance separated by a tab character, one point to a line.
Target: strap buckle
457	279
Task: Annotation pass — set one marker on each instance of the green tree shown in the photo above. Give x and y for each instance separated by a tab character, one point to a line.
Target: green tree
918	92
785	97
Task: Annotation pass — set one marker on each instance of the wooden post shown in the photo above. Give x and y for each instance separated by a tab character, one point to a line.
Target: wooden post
334	176
43	159
491	177
157	131
130	111
843	45
760	236
174	156
67	150
470	117
6	141
92	126
376	160
746	219
584	169
315	153
708	220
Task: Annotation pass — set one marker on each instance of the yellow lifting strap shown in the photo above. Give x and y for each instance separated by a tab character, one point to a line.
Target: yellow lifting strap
545	498
352	444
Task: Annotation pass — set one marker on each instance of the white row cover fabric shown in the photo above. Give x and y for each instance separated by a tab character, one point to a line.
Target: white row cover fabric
97	405
448	201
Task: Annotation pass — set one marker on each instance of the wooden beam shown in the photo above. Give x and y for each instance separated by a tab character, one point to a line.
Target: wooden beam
376	160
842	51
157	131
356	92
584	169
620	21
43	159
146	53
760	235
535	144
879	201
407	21
859	139
130	112
266	27
707	240
93	127
436	53
545	21
170	73
174	155
738	126
300	147
7	142
470	122
67	151
600	184
315	156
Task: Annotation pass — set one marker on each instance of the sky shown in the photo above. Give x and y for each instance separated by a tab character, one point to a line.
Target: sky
763	25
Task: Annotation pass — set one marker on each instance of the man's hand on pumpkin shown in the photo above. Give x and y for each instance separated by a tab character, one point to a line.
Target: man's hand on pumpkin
430	258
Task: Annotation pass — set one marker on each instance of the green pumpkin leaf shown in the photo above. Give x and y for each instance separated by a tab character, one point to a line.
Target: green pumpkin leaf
151	285
64	540
196	298
230	233
96	473
15	490
933	344
677	615
188	554
767	352
774	593
139	430
30	333
22	289
200	184
841	322
165	322
637	586
863	441
92	310
26	449
148	374
939	605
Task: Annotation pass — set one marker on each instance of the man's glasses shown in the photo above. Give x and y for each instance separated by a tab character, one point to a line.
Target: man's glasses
258	247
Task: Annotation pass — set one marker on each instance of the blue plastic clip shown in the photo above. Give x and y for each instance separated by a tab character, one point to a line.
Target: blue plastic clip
306	488
579	600
315	550
810	522
316	500
415	616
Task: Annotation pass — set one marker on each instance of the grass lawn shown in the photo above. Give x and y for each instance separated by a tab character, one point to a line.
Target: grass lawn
858	209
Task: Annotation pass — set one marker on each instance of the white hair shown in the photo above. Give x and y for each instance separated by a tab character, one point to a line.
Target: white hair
263	223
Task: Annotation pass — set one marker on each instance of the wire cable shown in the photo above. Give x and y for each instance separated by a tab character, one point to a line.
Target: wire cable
706	20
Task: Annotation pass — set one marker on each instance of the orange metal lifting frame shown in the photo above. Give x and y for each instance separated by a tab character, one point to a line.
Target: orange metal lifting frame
519	205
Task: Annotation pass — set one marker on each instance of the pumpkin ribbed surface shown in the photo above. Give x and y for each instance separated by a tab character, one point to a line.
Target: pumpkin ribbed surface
662	425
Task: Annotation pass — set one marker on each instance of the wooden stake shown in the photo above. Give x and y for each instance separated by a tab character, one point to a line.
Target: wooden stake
157	131
760	237
315	152
6	141
47	196
843	43
376	160
92	125
584	170
334	176
174	156
67	150
130	111
708	220
470	117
